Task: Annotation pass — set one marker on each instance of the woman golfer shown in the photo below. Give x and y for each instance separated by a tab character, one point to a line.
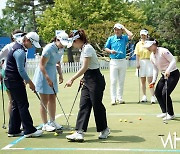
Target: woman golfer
15	79
92	90
163	61
45	79
144	65
16	34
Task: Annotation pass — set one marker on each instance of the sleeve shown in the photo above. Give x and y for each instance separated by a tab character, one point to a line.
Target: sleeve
155	71
88	52
4	52
171	59
108	43
20	56
46	52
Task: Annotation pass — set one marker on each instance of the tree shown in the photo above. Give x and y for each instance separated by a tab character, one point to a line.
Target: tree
164	15
20	13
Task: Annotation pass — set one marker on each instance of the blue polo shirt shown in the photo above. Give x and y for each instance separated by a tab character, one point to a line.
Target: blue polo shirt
118	44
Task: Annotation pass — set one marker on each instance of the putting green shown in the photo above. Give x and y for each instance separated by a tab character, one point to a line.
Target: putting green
134	127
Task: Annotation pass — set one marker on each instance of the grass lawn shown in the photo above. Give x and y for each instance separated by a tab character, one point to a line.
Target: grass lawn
133	136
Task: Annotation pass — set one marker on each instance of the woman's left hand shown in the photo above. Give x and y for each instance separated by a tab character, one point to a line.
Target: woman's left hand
69	83
61	79
166	74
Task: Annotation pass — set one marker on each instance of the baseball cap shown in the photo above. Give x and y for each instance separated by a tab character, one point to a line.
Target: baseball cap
149	43
118	26
143	32
34	38
64	39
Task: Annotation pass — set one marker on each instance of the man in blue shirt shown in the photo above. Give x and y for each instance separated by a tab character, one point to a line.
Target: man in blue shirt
15	76
116	47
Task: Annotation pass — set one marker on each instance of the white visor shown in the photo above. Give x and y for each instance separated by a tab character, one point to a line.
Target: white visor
149	43
144	32
66	42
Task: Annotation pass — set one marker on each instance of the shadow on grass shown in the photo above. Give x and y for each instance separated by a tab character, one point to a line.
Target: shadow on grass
119	139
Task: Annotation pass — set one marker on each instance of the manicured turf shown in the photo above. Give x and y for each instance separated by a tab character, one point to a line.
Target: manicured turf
134	136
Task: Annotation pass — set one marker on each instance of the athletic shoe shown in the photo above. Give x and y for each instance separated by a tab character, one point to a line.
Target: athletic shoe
56	125
104	134
120	101
169	117
37	133
16	135
144	99
78	136
162	115
47	127
113	103
153	100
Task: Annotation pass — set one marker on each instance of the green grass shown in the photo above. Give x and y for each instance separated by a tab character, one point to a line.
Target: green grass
140	134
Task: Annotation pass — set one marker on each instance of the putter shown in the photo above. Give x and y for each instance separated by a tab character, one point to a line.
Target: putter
166	86
61	108
58	131
4	119
139	86
80	85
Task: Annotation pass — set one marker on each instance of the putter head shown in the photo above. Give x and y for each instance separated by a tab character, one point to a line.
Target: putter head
4	127
165	122
59	131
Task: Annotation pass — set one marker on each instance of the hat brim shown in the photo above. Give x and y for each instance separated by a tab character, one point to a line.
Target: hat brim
36	44
66	43
148	44
143	33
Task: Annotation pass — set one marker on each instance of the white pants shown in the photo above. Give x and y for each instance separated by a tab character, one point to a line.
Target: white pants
117	77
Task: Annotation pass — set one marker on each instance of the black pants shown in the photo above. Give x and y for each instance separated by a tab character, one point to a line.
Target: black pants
19	112
91	97
160	91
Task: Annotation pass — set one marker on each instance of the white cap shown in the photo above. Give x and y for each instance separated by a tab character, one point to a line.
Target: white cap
118	26
64	39
144	32
17	35
34	38
149	43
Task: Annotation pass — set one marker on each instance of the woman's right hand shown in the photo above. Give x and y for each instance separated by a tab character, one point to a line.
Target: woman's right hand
50	83
151	85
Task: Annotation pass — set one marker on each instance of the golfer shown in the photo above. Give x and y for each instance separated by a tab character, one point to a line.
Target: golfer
144	66
163	61
16	34
116	46
45	79
92	90
15	79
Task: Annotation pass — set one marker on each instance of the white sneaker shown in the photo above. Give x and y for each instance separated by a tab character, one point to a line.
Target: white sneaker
47	127
153	100
144	99
56	125
120	101
35	134
162	115
113	102
169	117
16	135
78	136
104	134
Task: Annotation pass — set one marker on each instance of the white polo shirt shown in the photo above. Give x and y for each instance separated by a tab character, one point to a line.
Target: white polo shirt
89	51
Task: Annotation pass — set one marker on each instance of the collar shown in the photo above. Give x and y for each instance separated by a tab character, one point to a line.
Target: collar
118	37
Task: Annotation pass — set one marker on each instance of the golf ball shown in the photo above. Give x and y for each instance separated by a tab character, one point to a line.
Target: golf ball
140	118
120	120
56	134
125	120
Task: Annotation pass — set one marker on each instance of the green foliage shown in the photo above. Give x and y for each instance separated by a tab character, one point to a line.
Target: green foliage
164	15
97	17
